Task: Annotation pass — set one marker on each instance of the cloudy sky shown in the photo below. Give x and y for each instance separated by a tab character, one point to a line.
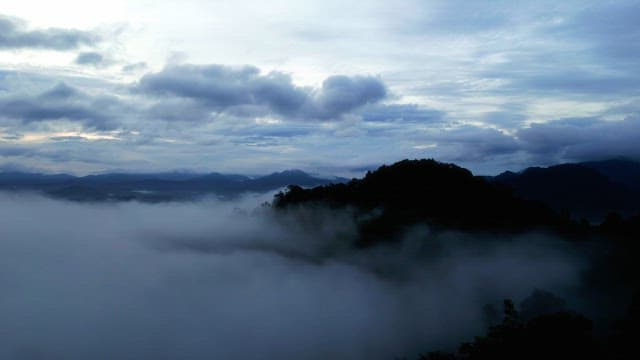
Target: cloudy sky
324	86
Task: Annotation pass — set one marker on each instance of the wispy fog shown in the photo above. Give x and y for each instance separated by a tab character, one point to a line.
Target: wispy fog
212	280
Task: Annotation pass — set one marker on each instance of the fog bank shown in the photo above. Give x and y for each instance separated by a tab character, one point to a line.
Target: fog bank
211	280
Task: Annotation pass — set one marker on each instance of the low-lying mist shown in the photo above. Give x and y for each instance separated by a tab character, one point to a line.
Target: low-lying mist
219	280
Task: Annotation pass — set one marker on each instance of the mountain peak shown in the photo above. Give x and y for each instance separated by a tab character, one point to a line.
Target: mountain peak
424	191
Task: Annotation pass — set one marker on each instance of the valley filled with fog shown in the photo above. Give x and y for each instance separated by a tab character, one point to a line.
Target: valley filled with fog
212	279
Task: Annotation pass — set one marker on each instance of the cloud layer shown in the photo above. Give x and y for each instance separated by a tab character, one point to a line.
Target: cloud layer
196	281
15	35
63	103
245	90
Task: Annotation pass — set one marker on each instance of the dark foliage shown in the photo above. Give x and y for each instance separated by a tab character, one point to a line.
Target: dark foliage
620	264
558	335
623	343
550	335
539	303
426	191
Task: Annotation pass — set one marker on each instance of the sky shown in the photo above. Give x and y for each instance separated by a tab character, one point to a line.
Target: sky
329	87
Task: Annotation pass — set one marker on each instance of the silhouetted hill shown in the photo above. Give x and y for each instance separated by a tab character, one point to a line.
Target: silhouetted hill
154	186
626	172
425	191
589	190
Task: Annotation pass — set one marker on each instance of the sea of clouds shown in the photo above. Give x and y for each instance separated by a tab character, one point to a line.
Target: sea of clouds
222	280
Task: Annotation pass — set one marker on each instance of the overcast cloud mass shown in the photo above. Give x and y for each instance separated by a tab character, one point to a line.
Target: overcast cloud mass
323	86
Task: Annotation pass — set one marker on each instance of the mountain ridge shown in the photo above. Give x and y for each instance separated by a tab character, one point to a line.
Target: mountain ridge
153	187
588	189
411	192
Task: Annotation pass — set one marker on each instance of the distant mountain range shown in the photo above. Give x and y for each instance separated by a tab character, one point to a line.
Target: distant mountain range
584	190
154	187
588	189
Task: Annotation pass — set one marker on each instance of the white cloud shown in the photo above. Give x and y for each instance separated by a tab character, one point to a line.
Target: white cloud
451	71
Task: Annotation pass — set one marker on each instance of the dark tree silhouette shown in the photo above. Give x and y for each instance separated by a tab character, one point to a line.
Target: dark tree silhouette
541	302
560	335
426	191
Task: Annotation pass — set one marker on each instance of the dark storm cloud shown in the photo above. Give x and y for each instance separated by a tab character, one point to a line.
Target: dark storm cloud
63	102
582	139
178	109
238	90
15	35
552	142
472	143
216	85
342	94
31	110
89	58
61	91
